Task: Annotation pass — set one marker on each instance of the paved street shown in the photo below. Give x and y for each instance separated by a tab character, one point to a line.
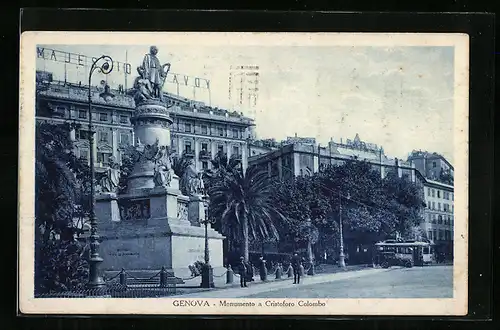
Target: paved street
417	282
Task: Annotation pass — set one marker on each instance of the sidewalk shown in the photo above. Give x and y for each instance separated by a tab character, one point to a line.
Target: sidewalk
235	291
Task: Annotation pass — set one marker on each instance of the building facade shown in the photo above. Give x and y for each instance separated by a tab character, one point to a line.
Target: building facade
198	131
295	156
438	216
438	221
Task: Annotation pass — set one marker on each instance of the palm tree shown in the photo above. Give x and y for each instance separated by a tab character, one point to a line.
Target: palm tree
222	166
180	164
242	202
222	162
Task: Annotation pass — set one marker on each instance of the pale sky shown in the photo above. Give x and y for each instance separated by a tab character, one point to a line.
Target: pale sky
400	98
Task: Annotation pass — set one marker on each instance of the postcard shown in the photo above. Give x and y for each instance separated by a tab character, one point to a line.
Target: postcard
243	173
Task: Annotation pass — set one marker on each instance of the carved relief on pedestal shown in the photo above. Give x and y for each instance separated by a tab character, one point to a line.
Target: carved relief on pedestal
182	211
135	209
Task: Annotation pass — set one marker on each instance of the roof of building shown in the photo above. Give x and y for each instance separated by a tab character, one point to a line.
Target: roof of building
428	155
79	93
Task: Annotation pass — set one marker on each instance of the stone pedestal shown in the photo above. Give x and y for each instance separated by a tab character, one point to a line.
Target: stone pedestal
106	207
153	227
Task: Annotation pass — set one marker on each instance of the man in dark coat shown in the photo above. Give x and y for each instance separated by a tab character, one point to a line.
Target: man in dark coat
243	272
296	268
249	271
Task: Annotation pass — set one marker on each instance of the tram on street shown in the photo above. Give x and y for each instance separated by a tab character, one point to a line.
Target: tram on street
406	253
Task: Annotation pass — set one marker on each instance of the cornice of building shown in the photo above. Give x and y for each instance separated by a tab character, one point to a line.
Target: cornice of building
78	94
437	184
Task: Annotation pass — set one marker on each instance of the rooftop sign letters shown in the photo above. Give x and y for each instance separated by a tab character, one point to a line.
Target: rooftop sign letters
120	67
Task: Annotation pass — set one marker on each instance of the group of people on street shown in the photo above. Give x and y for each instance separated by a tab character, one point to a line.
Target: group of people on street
246	272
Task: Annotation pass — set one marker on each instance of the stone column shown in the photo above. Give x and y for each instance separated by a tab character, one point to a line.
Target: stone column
296	164
151	124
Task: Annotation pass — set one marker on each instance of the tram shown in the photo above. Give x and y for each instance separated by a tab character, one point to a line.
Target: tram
406	253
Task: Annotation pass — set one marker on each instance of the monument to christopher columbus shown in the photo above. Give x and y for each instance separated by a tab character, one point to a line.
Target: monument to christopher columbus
154	224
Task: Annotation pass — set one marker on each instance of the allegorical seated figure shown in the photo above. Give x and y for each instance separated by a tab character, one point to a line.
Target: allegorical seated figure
110	181
162	176
143	89
192	182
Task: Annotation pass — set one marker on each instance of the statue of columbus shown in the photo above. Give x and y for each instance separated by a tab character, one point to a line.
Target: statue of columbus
153	71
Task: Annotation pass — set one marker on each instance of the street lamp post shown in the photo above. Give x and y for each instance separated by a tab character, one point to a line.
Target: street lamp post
207	274
341	253
95	279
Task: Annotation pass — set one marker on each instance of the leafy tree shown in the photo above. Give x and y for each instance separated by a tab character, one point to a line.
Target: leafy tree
300	200
126	167
62	266
404	200
59	178
372	208
242	201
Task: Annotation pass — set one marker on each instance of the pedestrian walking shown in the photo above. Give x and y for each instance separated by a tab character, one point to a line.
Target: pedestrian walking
243	272
296	268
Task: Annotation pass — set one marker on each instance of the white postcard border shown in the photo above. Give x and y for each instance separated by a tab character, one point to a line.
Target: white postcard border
28	304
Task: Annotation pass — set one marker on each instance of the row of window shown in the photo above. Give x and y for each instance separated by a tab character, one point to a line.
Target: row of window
404	249
440	219
446	207
440	235
221	131
102	136
102	116
188	148
446	194
188	127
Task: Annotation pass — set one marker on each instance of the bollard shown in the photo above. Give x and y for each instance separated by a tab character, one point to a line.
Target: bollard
290	271
163	278
230	275
123	277
279	272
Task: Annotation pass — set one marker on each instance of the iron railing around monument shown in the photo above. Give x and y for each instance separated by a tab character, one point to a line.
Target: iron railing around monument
124	285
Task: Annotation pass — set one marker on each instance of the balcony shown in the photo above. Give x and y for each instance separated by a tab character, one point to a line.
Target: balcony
205	154
188	153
